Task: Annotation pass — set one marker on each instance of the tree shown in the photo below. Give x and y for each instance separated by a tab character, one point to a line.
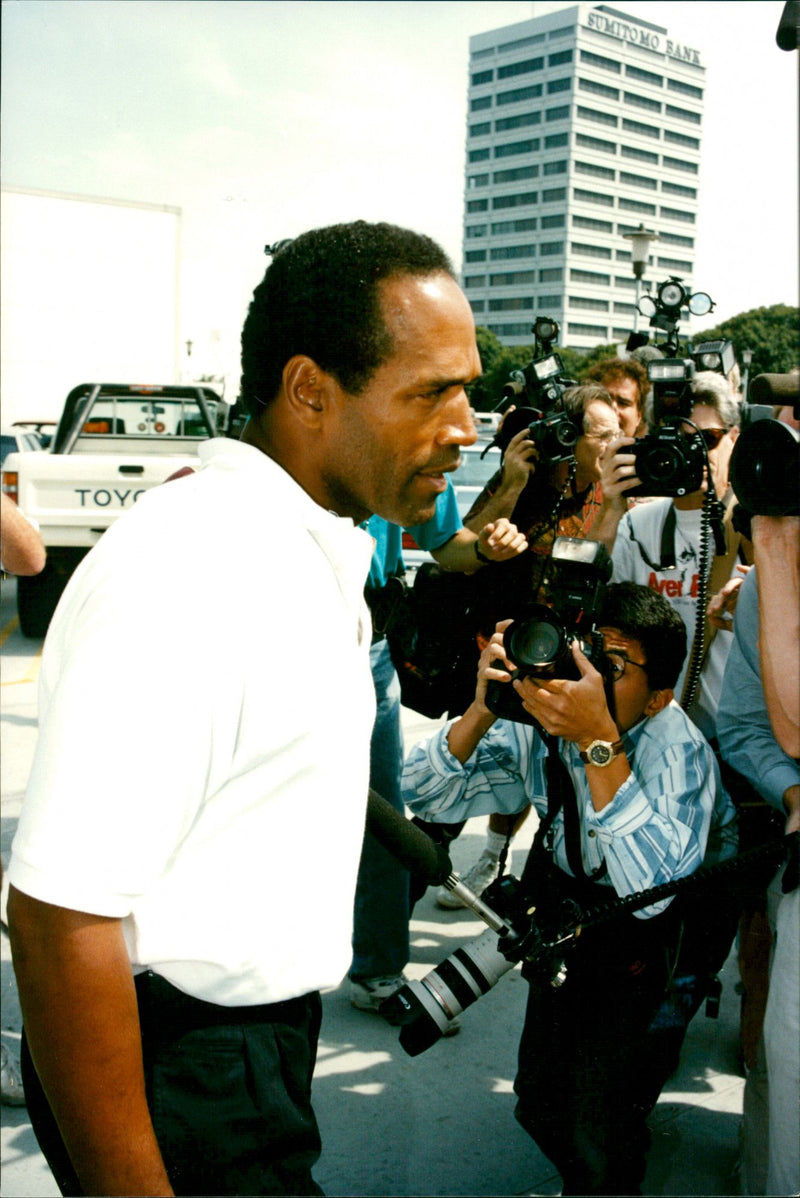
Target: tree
773	334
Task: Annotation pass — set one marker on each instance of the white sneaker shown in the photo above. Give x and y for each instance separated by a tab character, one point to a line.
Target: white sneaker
477	878
367	994
11	1090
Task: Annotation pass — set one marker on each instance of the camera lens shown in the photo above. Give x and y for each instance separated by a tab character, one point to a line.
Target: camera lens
662	464
537	642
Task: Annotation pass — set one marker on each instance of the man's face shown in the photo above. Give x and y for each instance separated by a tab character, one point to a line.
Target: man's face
388	449
632	690
719	455
600	426
625	393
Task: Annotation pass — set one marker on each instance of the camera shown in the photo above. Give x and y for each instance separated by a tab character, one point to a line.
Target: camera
539	388
670	461
539	642
765	467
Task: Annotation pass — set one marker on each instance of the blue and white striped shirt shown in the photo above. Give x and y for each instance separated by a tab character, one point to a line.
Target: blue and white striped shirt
669	816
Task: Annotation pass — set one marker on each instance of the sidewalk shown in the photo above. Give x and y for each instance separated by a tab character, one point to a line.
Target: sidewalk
441	1123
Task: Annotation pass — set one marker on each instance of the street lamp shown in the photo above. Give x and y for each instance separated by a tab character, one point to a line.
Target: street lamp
640	245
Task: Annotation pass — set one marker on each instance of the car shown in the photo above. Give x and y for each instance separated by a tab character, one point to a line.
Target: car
478	464
17	440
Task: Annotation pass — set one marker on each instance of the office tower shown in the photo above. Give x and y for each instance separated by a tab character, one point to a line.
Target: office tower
583	124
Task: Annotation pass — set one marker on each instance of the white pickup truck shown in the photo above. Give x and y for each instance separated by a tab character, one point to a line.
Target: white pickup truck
113	442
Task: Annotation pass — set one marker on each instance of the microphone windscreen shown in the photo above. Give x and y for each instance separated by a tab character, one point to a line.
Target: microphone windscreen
405	841
775	389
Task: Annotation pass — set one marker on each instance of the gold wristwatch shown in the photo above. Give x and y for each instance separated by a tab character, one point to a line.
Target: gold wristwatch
601	752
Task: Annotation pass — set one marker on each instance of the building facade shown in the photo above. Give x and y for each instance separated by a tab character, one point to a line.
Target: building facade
583	125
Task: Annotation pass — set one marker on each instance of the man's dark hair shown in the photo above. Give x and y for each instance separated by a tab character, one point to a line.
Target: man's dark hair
610	370
646	615
320	297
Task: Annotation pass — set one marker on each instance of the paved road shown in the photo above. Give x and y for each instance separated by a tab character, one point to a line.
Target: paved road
437	1124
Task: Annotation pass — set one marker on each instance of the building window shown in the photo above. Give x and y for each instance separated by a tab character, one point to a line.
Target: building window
677	189
600	118
549	249
595	143
473	231
511	304
475	256
676	239
597	60
644	76
555	168
677	214
682	139
554	195
474	281
563	32
625	256
517	122
515	174
512	278
591	168
591	251
535	40
481	102
552	274
556	221
590	276
675	264
558	85
625	281
638	127
478	155
557	60
636	206
478	305
481	129
513	147
588	330
478	181
519	93
556	139
557	114
477	55
593	305
482	77
686	89
510	330
598	89
520	68
642	102
639	155
512	251
477	205
683	114
592	197
515	201
637	180
524	225
589	222
548	301
679	164
624	309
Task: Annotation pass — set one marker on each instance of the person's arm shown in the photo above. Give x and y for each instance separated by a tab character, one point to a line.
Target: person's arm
777	551
81	1020
21	548
497	542
519	464
618	476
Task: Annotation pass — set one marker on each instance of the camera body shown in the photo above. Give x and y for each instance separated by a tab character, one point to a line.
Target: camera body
539	642
670	461
554	434
538	389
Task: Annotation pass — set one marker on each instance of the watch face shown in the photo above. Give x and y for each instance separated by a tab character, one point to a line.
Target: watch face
600	754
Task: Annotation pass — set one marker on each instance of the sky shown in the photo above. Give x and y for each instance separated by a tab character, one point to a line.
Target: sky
262	118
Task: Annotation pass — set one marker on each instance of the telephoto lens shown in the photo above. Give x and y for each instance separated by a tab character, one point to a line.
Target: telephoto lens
423	1009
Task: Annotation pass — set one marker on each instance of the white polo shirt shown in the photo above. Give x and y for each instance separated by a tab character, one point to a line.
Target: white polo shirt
205	712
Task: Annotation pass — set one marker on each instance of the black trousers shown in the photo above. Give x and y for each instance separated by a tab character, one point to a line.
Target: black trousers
229	1092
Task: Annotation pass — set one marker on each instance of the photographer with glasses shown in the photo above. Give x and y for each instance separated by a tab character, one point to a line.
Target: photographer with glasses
643	804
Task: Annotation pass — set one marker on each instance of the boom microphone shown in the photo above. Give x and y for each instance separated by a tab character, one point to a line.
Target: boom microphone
419	853
779	390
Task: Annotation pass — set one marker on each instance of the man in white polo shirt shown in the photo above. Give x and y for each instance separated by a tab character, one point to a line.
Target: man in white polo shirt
206	700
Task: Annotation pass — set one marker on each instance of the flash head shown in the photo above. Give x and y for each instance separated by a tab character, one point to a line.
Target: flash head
545	329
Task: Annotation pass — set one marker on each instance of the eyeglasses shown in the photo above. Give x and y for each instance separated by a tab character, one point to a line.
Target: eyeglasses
619	662
713	436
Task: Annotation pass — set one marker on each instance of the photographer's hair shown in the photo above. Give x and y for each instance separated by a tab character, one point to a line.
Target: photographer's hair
713	389
320	297
648	616
577	399
613	369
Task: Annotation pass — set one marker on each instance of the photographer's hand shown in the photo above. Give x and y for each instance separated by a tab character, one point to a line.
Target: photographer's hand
618	475
466	732
722	605
519	463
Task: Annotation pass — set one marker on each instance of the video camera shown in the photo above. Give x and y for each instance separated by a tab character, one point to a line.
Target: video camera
540	388
765	463
539	642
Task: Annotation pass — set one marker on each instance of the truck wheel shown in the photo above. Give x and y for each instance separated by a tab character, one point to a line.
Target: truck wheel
38	594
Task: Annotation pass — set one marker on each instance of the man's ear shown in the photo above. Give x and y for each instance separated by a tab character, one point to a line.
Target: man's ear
658	701
306	387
